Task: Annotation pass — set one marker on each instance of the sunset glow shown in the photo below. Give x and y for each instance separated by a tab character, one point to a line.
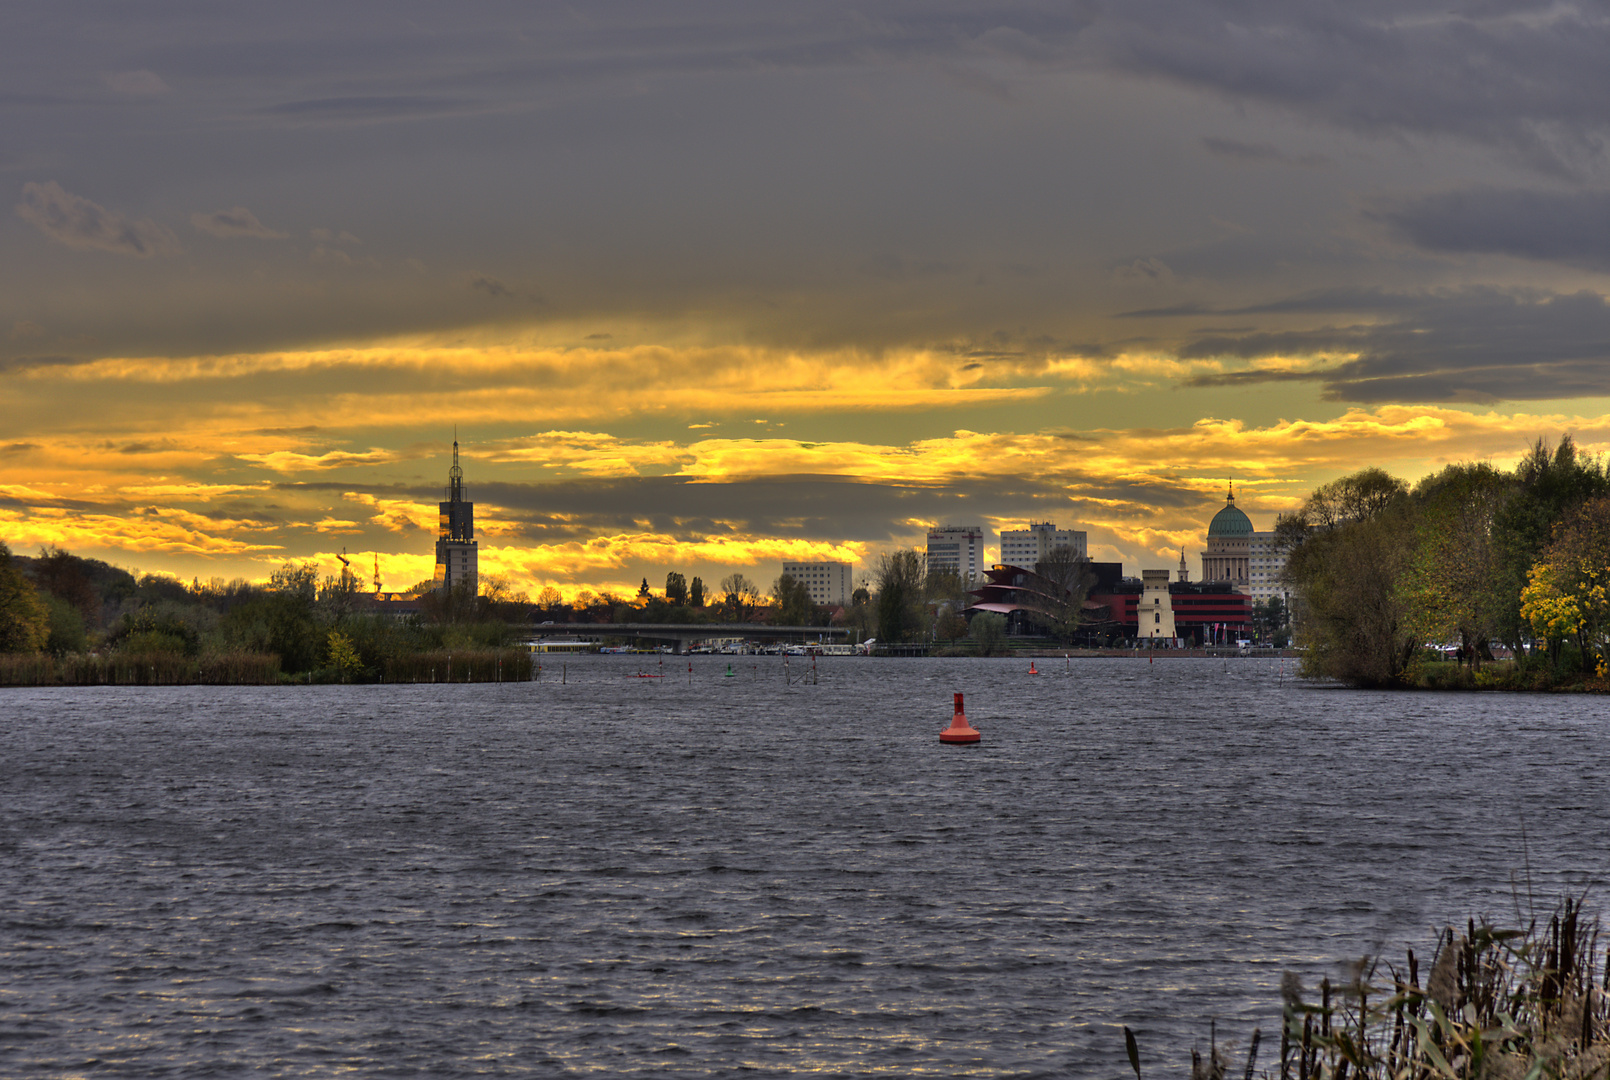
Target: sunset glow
711	306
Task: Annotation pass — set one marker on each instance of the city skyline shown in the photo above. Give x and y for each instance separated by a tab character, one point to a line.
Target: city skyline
712	288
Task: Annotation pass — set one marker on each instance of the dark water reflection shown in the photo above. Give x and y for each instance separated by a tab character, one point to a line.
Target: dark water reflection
714	876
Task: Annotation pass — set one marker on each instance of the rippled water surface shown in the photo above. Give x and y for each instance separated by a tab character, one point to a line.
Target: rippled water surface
711	876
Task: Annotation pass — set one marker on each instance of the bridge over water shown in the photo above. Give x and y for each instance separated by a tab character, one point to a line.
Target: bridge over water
679	635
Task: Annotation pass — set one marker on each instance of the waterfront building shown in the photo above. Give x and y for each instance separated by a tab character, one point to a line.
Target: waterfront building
827	582
1203	611
1026	598
1025	547
1155	613
457	554
959	548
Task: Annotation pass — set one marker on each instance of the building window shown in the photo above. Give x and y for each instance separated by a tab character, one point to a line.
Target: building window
1157	617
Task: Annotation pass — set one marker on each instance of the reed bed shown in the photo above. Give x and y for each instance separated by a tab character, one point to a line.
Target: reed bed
480	665
140	669
1496	1004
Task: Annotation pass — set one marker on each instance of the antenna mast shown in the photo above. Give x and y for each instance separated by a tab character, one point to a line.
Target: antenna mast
455	475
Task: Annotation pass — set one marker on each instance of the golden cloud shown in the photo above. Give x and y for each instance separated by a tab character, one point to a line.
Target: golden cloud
165	532
249	421
397	515
287	461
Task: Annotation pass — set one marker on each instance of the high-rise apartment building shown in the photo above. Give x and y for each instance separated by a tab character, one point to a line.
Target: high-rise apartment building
1266	563
959	548
1025	547
827	582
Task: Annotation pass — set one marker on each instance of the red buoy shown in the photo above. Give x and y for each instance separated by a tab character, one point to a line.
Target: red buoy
1031	668
959	731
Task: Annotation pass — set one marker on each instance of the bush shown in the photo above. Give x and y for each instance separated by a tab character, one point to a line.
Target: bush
988	633
157	628
67	633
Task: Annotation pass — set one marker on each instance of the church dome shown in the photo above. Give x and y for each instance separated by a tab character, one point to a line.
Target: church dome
1229	521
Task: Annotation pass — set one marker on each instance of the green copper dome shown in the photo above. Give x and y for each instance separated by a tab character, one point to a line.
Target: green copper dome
1230	521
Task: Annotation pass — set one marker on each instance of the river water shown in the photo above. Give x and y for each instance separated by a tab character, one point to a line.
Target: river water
711	876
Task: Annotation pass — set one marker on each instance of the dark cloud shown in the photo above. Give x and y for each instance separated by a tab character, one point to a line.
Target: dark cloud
892	267
1259	153
379	107
492	287
1565	227
806	176
14	101
1529	75
1358	300
804	507
135	83
79	223
1145	270
232	224
1475	345
498	291
27	363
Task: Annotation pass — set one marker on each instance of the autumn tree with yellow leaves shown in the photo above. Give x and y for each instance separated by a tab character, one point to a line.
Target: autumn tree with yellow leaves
1567	594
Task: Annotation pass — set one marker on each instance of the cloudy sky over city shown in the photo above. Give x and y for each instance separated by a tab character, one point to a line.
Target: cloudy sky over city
705	286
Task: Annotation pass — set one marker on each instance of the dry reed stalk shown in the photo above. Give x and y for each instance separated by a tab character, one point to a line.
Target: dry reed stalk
1498	1004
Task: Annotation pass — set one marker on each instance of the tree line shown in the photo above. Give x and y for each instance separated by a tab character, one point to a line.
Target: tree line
311	625
1472	556
319	625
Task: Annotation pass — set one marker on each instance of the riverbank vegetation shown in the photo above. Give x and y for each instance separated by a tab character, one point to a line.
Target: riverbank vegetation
1500	1004
76	621
1493	564
72	621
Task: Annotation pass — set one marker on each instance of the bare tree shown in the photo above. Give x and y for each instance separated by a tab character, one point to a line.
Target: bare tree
1068	580
739	596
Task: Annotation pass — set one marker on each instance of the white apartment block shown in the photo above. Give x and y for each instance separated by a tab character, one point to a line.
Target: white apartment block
1025	547
827	582
959	548
1265	563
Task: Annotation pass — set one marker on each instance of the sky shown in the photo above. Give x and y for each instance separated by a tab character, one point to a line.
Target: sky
707	286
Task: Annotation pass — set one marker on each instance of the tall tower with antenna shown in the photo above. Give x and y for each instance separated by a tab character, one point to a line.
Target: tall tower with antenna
457	557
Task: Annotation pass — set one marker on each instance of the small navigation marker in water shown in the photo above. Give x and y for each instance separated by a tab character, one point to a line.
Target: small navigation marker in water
1032	671
959	731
